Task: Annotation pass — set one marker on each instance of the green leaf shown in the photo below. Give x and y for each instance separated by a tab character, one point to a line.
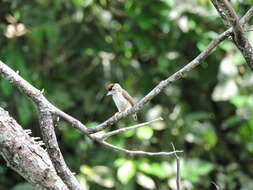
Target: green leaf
69	133
129	133
78	2
24	186
89	52
232	122
161	170
145	181
209	137
101	175
24	109
119	162
6	87
61	98
239	100
126	172
144	132
193	169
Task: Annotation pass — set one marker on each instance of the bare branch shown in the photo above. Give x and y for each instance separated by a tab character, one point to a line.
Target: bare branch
37	96
139	152
25	156
47	109
241	41
49	137
221	13
106	135
103	137
179	74
178	168
41	101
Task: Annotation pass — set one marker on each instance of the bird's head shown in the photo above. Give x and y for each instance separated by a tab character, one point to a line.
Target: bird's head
113	88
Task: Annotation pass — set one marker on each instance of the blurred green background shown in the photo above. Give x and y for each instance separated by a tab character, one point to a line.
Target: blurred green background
74	48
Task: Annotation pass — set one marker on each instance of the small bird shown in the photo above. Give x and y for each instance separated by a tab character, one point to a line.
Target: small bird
121	98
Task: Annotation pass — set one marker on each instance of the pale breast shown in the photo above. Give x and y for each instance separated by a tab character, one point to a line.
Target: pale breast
121	103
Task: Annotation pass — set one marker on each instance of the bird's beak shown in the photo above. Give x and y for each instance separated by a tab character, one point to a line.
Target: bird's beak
109	93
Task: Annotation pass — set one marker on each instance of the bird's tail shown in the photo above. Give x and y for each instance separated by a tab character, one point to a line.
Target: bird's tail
135	117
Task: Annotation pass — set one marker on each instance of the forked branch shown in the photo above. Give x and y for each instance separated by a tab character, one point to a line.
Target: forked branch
226	11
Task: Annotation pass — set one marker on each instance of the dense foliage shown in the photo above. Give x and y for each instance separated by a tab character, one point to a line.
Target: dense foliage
74	48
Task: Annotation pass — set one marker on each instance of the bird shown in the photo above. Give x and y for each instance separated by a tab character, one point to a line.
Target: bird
121	98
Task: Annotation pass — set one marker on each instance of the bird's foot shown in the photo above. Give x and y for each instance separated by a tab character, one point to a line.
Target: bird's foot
117	114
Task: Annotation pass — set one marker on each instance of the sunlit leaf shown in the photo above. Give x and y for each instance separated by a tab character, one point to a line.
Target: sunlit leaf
239	100
193	169
99	174
126	171
144	132
225	90
161	170
145	181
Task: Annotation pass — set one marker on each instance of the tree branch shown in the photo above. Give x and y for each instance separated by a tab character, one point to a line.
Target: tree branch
37	96
101	138
50	140
178	168
140	152
239	37
41	101
25	156
179	74
47	109
108	134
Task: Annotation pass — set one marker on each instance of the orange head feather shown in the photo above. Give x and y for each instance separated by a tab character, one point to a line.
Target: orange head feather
110	86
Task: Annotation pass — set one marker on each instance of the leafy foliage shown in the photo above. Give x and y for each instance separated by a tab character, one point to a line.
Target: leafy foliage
73	49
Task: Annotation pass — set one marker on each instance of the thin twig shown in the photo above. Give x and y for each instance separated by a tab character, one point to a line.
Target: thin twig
140	152
106	135
178	168
103	137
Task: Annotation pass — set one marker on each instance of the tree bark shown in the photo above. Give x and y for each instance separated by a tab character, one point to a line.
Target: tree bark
25	156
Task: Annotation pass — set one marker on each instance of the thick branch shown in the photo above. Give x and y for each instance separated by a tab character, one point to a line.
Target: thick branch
240	39
221	12
50	140
36	95
25	156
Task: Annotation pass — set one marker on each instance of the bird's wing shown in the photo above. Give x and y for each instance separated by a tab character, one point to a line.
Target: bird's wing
128	97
